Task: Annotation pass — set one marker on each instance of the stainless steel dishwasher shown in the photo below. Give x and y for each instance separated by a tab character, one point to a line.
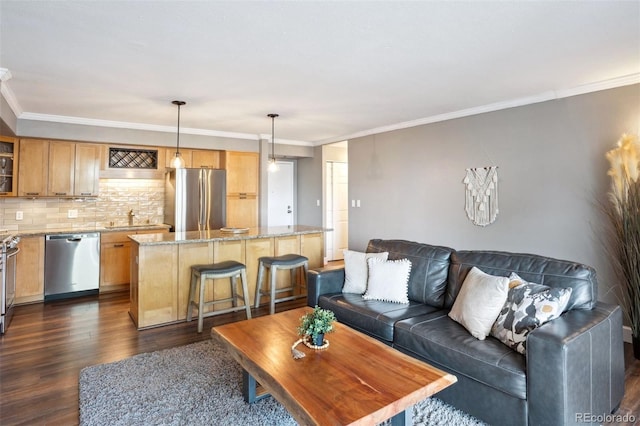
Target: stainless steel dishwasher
71	265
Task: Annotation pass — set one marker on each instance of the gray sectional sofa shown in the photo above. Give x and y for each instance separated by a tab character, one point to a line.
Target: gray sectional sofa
573	367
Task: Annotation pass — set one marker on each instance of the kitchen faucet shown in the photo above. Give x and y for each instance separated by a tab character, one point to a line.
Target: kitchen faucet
131	216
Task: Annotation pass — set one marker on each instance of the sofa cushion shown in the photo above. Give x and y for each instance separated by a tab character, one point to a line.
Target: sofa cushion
429	267
371	317
388	280
479	302
437	338
544	270
528	306
356	270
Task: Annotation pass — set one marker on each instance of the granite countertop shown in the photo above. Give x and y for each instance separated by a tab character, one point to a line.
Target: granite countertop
217	235
101	229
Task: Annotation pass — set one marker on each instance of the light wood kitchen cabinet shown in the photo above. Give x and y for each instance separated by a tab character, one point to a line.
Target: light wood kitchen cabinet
33	167
87	169
115	248
242	211
205	158
8	166
153	292
58	169
195	158
243	170
73	169
115	254
61	168
242	188
30	270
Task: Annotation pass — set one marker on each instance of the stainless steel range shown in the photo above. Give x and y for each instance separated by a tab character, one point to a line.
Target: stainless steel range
8	250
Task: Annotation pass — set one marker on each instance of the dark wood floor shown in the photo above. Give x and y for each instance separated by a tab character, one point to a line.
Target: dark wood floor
47	345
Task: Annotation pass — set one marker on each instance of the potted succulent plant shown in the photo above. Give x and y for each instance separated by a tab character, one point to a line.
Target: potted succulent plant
624	214
316	324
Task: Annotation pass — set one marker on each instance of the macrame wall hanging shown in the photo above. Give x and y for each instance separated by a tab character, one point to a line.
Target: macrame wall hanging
481	200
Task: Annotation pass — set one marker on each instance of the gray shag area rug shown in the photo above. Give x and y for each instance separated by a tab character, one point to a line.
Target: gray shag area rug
197	384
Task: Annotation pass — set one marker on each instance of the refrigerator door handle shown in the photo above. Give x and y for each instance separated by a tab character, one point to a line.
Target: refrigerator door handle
201	206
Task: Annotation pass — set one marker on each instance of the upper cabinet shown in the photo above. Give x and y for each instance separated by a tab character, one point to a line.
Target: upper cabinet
195	158
58	169
242	172
61	169
8	166
33	168
205	158
87	169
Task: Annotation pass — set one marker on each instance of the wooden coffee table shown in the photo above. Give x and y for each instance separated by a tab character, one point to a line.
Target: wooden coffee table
356	380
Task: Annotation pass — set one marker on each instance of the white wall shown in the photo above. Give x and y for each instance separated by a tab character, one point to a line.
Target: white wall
551	167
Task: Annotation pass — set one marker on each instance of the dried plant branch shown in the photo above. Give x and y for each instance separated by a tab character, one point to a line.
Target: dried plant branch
624	215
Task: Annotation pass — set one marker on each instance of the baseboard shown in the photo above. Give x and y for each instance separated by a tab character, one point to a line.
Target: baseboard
626	334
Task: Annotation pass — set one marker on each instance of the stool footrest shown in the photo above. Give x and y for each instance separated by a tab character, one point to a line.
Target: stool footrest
223	311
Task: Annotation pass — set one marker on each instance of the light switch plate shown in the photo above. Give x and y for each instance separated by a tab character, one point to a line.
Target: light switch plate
72	213
19	215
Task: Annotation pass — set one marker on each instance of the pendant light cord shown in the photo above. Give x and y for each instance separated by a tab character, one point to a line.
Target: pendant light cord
273	138
179	104
178	138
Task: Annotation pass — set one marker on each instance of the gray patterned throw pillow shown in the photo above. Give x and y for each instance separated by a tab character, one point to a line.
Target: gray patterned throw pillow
528	306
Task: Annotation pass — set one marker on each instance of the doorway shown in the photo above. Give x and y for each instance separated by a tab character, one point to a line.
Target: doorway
281	199
337	209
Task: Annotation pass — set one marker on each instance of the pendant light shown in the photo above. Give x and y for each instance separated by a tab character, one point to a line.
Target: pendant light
273	166
178	162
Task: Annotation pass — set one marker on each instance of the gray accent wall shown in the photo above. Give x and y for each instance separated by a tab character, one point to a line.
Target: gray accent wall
552	176
309	190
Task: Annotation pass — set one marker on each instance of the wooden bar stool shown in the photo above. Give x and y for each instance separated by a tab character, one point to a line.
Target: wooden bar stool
287	261
199	275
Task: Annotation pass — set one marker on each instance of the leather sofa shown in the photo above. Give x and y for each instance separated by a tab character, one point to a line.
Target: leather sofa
573	367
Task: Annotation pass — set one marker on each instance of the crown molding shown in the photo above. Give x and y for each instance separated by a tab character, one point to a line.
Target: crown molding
133	126
267	137
8	94
497	106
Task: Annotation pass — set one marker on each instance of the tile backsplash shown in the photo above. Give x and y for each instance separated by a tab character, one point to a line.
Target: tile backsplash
115	199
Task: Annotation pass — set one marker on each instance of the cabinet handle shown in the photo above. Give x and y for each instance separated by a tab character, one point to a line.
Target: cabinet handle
3	193
118	245
60	193
33	193
85	193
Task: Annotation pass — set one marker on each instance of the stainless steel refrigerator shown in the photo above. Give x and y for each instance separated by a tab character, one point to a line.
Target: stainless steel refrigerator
195	199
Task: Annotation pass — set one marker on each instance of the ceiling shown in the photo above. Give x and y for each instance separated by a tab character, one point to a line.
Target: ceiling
331	69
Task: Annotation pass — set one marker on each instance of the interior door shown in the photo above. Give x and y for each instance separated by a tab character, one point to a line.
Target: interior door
281	200
337	205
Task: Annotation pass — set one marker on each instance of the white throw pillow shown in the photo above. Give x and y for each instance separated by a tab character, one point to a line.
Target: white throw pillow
356	270
388	280
479	302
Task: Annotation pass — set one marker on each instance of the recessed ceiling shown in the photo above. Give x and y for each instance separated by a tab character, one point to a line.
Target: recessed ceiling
331	69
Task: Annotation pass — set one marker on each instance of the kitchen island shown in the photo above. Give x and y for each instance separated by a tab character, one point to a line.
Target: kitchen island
161	265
